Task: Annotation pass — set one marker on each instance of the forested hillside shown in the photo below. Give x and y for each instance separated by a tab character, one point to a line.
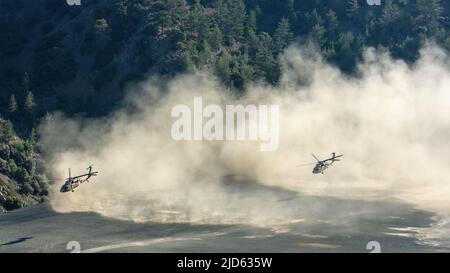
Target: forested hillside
79	59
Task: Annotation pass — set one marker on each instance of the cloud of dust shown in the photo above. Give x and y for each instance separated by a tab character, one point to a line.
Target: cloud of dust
392	123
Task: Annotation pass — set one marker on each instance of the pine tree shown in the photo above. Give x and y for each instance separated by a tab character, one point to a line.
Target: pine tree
30	105
391	13
268	67
283	34
243	72
223	69
318	32
251	21
430	15
121	9
430	9
102	33
33	136
168	14
215	38
290	11
192	56
352	8
120	13
231	16
205	53
7	133
197	22
332	25
12	104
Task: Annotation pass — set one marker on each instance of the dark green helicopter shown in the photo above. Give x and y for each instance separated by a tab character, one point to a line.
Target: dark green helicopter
73	182
322	165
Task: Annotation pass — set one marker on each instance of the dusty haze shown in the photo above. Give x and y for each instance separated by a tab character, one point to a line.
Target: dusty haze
392	124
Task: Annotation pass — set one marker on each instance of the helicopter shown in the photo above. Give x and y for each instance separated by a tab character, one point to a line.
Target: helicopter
72	182
322	165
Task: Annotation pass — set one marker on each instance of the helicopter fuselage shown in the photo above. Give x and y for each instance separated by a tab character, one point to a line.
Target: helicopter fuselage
320	167
72	182
69	185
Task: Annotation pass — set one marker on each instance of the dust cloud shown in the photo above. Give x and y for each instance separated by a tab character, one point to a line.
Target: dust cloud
391	122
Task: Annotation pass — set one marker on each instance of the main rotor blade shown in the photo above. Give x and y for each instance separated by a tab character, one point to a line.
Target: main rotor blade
332	158
315	157
78	176
56	179
306	164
